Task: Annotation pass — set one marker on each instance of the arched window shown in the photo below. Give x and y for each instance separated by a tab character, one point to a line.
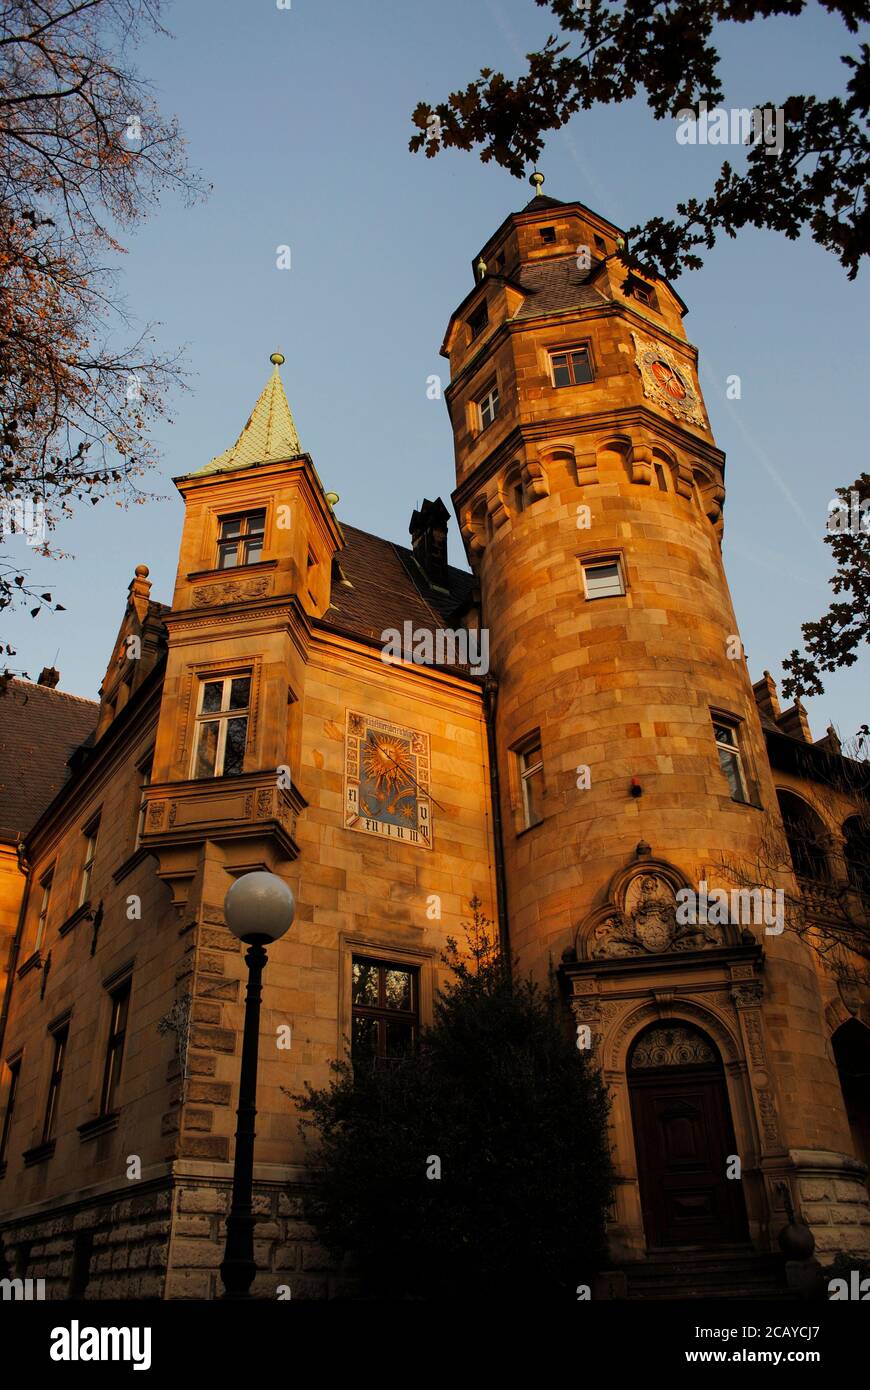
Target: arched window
857	851
805	833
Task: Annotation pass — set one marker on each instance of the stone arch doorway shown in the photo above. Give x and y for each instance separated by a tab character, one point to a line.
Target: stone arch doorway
683	1135
851	1045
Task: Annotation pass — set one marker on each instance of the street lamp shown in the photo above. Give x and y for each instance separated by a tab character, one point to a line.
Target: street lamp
259	908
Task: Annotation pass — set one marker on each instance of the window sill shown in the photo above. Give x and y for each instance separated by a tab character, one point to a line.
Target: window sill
234	569
527	828
102	1124
33	962
130	863
75	917
40	1154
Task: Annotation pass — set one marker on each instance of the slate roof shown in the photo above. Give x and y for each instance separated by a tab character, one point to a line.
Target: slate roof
389	589
555	285
269	434
39	729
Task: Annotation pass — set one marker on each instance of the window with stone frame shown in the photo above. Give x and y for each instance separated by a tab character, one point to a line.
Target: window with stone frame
91	831
487	407
9	1113
222	718
240	539
44	903
385	1011
120	998
727	734
60	1038
571	366
529	761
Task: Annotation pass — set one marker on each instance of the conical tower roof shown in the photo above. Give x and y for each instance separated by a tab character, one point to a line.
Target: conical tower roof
269	435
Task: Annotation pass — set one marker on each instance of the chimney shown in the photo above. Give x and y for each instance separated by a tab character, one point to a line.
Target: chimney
49	676
429	541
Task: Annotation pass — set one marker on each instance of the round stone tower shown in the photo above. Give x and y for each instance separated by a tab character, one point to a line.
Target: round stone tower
631	755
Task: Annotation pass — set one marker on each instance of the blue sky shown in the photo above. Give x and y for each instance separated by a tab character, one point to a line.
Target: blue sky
300	119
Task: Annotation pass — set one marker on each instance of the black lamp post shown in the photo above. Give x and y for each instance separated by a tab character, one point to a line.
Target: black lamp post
259	908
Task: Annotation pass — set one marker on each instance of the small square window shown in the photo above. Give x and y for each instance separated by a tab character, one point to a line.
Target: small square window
603	578
571	367
240	540
487	407
643	293
548	235
478	321
600	245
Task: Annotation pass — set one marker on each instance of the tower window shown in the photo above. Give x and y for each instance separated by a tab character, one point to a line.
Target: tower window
385	1011
643	293
222	726
571	367
115	1048
530	773
600	244
548	235
487	407
478	321
660	477
603	578
240	540
730	758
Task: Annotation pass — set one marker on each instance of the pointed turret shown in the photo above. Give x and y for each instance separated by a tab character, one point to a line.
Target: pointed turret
269	436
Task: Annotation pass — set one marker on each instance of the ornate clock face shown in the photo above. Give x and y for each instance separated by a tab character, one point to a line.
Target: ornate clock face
667	381
386	780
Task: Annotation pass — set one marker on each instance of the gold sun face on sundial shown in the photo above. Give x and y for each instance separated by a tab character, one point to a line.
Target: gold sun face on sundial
386	780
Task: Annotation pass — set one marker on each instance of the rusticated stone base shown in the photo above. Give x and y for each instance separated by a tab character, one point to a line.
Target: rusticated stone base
128	1256
834	1202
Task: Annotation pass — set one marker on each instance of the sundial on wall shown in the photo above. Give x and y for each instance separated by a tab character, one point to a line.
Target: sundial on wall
386	780
667	381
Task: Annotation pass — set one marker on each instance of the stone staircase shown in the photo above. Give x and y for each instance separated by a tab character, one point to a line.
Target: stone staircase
739	1273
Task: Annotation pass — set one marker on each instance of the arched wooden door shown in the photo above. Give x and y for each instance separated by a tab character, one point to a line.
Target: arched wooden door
683	1136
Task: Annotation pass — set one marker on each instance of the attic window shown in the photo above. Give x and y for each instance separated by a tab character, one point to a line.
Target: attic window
547	235
478	321
644	294
600	244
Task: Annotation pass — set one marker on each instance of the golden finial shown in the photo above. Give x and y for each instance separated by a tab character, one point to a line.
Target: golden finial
537	182
481	268
277	358
332	498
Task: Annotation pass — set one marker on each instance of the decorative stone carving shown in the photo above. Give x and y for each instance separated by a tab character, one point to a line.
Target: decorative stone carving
748	995
677	1046
232	591
156	813
769	1118
667	380
264	803
647	925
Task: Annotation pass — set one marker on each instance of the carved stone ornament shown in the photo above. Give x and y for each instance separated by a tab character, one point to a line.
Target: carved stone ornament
232	591
667	381
647	925
672	1046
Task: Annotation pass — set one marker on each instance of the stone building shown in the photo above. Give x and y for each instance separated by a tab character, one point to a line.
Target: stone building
569	733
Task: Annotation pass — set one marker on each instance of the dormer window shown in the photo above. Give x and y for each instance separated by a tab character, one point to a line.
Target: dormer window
240	539
478	321
548	235
644	294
